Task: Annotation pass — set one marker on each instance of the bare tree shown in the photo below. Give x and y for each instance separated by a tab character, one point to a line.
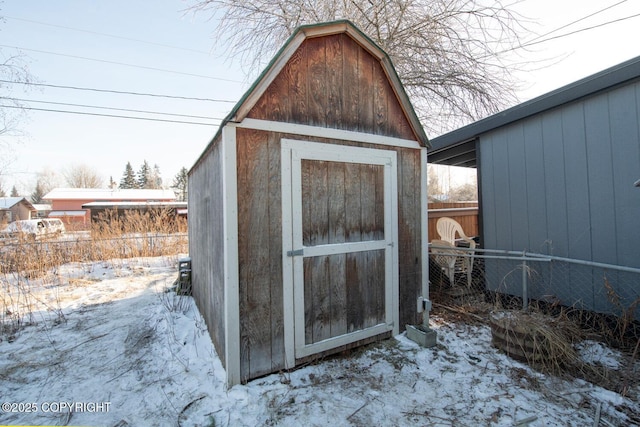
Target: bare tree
448	53
47	179
82	176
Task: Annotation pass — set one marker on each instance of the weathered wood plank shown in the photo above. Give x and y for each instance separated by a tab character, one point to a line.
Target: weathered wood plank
315	191
309	314
398	125
337	279
368	200
351	84
366	86
355	320
321	294
317	81
338	284
243	241
382	93
336	202
408	230
377	285
275	254
254	260
353	223
296	74
334	81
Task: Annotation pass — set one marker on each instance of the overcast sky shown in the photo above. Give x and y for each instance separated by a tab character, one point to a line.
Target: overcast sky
154	47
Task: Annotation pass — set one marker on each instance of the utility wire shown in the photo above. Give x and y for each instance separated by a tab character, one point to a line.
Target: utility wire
581	30
120	63
534	42
576	21
110	108
107	35
107	115
116	91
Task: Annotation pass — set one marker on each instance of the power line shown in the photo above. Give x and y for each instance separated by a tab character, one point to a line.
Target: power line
577	20
119	63
108	35
582	29
111	108
533	42
107	115
116	91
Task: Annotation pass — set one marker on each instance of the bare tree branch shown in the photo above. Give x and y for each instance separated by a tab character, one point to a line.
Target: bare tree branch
447	52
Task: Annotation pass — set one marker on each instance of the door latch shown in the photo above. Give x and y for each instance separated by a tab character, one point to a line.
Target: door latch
297	252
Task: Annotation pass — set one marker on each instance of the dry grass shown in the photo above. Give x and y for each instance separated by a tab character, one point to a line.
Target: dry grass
25	264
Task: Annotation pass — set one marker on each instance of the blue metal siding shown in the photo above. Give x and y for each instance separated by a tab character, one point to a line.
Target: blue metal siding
577	182
625	123
600	166
517	188
555	186
536	193
561	182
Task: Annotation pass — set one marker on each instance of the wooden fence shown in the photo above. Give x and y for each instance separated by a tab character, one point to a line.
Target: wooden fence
466	213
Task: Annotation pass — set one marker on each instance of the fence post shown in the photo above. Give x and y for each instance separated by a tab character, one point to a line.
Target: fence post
525	290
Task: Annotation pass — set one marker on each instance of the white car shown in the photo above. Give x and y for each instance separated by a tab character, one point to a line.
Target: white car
34	228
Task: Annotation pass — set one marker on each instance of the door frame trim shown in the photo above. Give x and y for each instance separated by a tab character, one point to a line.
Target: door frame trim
292	152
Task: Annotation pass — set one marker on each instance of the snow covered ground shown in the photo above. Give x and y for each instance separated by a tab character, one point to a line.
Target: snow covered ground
106	340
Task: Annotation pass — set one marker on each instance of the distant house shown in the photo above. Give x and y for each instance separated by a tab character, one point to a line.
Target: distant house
99	209
67	203
15	208
42	210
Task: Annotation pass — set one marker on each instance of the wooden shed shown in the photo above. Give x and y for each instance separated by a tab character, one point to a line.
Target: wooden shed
307	211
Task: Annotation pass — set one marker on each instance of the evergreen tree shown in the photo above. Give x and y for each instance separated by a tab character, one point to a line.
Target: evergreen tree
38	193
144	175
14	192
180	184
128	178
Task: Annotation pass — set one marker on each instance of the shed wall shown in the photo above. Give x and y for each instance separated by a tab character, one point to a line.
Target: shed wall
561	183
260	245
206	238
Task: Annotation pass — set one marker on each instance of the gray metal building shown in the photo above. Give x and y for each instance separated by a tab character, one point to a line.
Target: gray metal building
558	174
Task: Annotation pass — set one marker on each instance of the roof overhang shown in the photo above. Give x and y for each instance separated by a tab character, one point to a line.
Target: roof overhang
454	147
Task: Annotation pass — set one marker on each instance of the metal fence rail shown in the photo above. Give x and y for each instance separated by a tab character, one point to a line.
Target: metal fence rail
530	277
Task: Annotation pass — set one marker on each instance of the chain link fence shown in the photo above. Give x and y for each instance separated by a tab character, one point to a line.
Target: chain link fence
600	294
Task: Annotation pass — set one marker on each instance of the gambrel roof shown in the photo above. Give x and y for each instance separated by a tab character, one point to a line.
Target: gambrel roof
307	32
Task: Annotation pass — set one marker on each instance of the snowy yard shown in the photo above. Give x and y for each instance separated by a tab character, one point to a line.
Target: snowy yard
106	340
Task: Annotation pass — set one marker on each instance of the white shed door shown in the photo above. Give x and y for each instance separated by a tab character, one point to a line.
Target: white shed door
340	231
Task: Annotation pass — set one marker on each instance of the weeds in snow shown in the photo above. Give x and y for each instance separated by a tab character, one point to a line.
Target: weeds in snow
30	276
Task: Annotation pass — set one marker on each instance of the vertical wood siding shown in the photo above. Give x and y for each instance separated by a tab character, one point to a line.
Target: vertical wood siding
206	243
260	247
333	82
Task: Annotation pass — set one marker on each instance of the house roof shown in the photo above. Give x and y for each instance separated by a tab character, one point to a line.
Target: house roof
108	194
458	147
268	75
9	202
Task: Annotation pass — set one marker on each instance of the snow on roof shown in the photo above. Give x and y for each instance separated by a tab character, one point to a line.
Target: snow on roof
109	194
42	207
9	202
